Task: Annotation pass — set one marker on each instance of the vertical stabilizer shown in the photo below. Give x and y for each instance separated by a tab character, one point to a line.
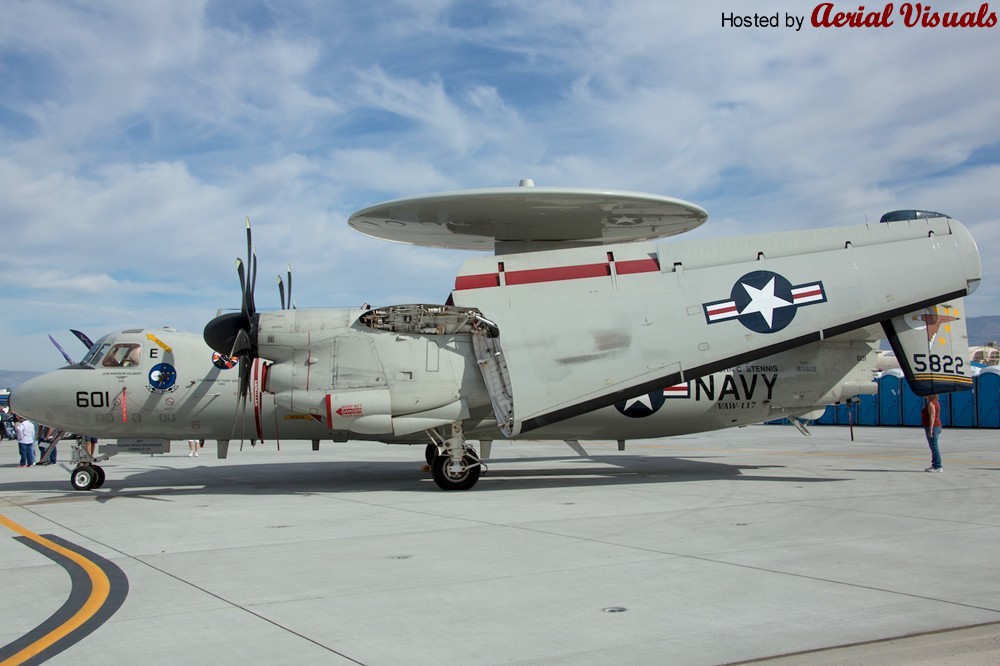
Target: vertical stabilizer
932	347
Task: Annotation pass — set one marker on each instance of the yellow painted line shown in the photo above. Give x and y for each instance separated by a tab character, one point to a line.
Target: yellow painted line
100	587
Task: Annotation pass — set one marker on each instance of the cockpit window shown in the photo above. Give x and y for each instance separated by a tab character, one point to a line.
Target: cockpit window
95	353
122	356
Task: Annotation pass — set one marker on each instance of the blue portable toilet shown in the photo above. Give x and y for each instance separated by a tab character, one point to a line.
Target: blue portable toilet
945	400
889	400
963	409
846	414
988	398
867	410
912	405
829	416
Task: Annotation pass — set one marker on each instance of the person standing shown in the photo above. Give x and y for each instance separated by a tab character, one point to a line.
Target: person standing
8	424
930	418
26	441
192	447
46	437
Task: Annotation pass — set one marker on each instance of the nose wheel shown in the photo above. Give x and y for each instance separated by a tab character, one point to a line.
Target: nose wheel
87	477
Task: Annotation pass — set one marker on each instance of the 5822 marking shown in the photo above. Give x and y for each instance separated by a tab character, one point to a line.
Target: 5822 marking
950	365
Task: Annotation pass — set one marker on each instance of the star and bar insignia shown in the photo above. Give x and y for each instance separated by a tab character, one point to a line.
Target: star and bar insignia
764	302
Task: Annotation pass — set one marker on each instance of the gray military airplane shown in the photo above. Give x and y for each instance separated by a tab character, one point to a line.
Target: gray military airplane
583	325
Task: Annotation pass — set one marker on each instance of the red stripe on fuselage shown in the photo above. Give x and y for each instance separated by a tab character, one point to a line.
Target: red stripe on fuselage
477	281
556	273
535	275
633	266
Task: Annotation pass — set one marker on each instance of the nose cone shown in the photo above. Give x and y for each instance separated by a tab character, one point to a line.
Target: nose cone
26	398
45	399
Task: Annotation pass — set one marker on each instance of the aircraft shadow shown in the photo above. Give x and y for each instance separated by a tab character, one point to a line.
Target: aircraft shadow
367	476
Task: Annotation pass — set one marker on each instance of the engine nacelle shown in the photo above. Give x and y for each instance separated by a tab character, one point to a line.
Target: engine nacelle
361	411
365	411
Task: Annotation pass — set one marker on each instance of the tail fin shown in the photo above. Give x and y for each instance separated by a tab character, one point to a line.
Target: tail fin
932	347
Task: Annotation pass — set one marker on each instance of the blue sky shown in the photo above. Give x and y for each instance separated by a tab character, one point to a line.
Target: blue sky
135	138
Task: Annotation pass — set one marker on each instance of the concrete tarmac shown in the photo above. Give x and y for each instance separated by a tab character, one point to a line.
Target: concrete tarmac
742	545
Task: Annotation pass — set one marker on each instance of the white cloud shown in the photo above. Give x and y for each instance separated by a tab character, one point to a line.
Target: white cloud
136	137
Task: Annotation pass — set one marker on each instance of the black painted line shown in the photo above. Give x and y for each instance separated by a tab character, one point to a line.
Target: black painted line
44	641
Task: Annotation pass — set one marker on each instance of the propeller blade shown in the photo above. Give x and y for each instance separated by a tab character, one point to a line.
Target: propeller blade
82	338
249	239
251	269
253	284
244	390
239	419
241	344
281	292
290	286
241	271
61	350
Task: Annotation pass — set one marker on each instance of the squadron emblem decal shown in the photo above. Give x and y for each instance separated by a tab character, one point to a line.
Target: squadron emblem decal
224	362
764	302
162	378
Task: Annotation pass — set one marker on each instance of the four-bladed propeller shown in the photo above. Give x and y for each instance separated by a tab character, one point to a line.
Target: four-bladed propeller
234	334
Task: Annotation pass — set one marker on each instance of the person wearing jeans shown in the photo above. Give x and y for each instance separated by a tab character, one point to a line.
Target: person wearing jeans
930	418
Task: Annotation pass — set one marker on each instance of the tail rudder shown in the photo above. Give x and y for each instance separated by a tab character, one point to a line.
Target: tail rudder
932	347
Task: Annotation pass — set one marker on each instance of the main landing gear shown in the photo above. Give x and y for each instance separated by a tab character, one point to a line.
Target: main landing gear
454	464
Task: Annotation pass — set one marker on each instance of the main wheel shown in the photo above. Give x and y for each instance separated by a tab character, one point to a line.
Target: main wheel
83	477
430	453
100	476
447	479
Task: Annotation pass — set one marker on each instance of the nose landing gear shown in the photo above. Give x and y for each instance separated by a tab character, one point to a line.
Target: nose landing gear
87	476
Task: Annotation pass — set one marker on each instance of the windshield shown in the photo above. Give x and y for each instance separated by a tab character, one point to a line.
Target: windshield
122	356
96	353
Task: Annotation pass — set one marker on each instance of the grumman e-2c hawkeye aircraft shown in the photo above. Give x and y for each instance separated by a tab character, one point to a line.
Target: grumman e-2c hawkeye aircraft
582	326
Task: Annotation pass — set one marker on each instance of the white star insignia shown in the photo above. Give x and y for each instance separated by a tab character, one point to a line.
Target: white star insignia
764	301
642	400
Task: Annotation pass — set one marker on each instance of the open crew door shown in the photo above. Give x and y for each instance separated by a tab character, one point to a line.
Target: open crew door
493	365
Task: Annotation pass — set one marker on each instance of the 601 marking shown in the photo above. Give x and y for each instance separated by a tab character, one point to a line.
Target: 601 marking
95	399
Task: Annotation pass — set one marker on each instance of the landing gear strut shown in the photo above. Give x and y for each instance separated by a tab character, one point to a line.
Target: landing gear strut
86	474
454	464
